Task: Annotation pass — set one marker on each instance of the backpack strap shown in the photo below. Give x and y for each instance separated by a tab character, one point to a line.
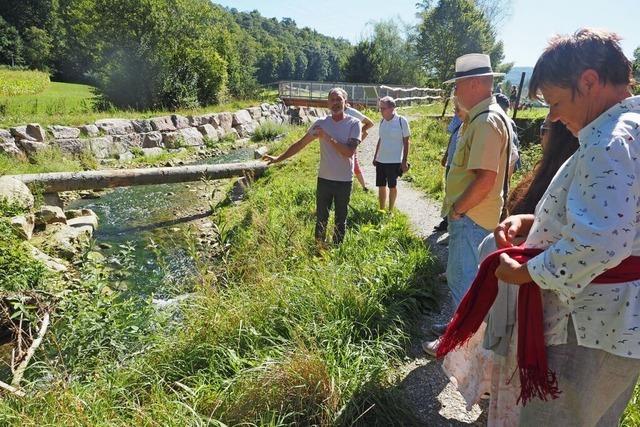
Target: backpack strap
505	183
399	121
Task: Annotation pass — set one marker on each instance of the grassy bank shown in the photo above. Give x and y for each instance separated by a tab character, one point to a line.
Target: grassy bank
276	334
429	140
15	82
29	97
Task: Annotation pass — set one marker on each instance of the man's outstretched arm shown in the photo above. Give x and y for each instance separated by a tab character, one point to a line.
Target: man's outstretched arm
293	148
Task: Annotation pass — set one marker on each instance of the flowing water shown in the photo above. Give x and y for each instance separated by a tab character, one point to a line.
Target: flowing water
146	227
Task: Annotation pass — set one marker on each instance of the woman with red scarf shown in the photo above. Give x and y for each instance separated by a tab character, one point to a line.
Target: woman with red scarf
578	271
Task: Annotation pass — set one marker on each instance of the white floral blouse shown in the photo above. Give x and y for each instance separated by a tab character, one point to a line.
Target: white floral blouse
588	222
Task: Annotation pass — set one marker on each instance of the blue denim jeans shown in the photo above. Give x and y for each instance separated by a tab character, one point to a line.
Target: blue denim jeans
462	265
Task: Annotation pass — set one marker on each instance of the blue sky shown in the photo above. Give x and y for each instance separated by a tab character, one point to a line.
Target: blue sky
524	33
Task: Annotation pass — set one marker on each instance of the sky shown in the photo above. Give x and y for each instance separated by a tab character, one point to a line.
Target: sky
524	33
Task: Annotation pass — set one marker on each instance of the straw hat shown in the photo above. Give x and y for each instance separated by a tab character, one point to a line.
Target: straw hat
473	65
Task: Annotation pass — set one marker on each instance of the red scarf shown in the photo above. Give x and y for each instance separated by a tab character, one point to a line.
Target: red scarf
536	379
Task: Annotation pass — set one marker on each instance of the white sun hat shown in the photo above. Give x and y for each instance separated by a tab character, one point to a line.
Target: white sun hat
473	65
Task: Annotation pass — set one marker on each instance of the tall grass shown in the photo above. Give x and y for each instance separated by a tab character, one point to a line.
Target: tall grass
280	335
429	140
269	131
48	160
15	82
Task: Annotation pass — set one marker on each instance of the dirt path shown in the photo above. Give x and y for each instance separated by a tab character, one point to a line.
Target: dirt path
433	397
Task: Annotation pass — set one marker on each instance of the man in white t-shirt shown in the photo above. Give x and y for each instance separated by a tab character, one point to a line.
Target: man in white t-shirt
339	136
392	150
366	125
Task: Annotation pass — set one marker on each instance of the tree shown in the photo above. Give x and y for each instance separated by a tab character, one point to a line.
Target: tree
38	47
301	65
388	55
11	47
453	28
364	64
318	63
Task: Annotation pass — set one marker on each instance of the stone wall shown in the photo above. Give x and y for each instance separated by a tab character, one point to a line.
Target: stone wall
116	138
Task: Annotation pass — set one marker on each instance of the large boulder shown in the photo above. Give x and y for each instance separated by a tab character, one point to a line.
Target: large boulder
53	264
209	132
102	147
172	140
152	140
241	117
142	126
129	140
64	132
195	121
191	137
31	147
73	146
115	126
16	192
50	215
89	130
226	121
180	122
85	220
30	132
8	145
162	124
64	241
23	225
255	112
246	129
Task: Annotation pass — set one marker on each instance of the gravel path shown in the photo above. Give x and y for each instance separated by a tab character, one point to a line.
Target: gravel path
434	399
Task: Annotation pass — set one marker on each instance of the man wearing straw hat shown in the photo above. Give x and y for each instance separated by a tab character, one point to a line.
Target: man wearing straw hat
476	183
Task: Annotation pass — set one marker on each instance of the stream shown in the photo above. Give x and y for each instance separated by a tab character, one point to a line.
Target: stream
143	229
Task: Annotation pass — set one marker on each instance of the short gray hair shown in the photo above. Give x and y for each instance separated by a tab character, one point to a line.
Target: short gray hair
567	57
389	101
339	91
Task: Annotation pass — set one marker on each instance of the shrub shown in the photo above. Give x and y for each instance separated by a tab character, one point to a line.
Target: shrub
137	151
269	131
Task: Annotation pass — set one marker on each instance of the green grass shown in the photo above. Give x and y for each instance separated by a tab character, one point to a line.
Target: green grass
24	98
429	140
631	417
425	110
533	113
15	82
48	160
277	333
269	131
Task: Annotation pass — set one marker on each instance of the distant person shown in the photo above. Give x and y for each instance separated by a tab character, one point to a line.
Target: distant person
513	96
392	151
366	125
339	136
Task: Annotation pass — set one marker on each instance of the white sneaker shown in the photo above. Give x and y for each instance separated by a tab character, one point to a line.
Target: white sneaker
431	347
